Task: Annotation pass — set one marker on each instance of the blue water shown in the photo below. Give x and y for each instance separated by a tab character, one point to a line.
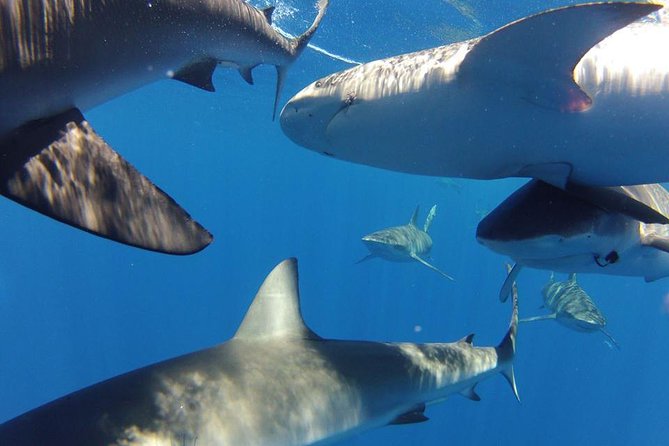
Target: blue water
76	309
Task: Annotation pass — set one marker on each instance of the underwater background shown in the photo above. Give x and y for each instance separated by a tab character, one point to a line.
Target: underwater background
76	309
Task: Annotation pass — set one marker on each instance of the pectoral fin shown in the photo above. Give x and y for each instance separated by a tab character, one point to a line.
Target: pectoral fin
613	341
364	259
539	318
424	262
615	199
509	281
198	74
61	168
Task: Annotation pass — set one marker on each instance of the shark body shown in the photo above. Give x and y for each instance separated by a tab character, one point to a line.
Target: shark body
542	226
572	307
404	243
274	383
540	97
58	57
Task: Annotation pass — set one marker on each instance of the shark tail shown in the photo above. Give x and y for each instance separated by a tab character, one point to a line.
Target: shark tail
506	350
298	45
301	42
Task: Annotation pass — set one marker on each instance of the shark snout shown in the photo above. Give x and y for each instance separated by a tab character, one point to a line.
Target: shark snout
378	239
306	117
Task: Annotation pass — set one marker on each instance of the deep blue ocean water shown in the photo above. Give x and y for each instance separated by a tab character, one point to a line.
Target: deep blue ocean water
76	309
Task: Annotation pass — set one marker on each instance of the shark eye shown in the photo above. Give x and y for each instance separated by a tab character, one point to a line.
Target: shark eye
319	84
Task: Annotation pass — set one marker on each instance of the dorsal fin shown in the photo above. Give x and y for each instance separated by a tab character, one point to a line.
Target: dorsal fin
414	216
544	49
267	12
430	218
572	277
275	311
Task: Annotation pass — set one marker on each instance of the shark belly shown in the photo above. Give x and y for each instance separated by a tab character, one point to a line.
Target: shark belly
471	136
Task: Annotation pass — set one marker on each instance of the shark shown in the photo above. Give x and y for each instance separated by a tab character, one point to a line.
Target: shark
542	226
275	383
404	243
575	96
59	57
572	307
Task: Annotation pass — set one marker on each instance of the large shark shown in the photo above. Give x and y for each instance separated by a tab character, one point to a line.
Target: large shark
404	243
58	57
531	99
571	306
542	226
274	383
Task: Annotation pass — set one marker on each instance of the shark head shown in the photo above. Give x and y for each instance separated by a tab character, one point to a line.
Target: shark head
545	227
386	243
307	115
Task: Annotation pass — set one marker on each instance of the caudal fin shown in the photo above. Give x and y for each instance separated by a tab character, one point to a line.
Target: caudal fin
298	45
506	350
301	42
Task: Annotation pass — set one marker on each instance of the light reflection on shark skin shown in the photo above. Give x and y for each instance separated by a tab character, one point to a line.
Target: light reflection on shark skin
537	98
274	383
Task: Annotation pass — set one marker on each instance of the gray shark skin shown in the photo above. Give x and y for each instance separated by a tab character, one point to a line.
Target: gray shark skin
404	243
550	96
571	306
58	57
274	383
542	226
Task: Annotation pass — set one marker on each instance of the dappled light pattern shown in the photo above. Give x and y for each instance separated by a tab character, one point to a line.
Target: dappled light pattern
655	196
436	366
276	393
406	73
29	27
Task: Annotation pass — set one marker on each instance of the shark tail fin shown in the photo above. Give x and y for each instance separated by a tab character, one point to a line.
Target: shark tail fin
506	350
430	218
301	42
298	45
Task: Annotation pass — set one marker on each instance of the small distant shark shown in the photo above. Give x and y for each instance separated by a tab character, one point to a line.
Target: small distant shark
571	306
403	243
275	383
542	226
58	57
540	97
